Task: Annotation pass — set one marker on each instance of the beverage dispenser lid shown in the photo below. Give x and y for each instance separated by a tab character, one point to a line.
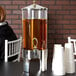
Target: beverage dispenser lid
34	7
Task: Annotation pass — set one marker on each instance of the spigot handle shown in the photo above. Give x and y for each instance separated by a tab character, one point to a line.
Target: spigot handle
35	45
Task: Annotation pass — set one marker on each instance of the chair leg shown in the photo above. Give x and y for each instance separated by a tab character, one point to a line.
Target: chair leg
6	50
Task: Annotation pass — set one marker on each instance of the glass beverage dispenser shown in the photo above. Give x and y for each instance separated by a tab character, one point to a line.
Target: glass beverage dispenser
34	28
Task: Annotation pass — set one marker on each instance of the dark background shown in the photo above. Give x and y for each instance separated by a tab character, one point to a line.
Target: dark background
61	19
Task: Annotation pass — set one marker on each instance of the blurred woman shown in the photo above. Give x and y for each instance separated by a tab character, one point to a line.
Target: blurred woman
6	32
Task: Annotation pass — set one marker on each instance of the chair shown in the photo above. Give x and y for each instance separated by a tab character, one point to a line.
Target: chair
13	48
74	45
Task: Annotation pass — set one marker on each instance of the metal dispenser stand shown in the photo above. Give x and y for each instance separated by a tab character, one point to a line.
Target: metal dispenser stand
34	29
